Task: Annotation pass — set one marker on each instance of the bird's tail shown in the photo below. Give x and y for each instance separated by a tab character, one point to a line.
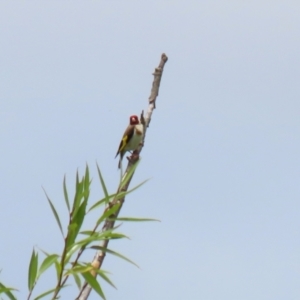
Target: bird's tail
120	161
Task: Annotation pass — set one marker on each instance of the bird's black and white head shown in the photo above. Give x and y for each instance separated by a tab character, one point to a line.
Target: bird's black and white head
134	120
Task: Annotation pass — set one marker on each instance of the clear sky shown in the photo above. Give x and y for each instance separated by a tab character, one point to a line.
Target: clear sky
222	150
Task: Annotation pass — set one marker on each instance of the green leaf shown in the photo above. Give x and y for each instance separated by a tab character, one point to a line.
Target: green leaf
93	283
108	234
87	179
113	236
117	196
47	263
121	195
87	232
78	219
55	214
44	294
32	272
46	253
100	202
49	292
102	274
58	269
71	251
7	291
77	179
66	194
92	232
114	253
78	195
103	185
77	280
96	236
127	176
71	236
79	269
4	290
135	219
108	213
85	242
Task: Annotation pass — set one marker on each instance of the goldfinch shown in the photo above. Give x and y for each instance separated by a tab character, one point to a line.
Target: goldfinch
132	137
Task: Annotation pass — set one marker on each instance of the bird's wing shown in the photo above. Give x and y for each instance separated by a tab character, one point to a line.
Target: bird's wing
126	138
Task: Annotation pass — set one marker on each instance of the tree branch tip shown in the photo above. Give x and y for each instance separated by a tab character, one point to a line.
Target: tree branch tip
164	57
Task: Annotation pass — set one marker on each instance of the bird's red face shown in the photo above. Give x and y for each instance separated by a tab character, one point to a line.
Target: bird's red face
134	120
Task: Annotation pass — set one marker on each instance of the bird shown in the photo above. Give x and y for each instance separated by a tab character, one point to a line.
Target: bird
132	137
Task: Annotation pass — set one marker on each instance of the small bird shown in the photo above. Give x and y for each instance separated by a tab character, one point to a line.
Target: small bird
132	137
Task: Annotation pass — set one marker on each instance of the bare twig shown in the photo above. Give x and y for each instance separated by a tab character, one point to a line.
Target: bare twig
109	223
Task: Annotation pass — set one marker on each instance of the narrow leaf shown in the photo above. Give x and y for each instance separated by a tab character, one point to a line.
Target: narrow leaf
115	235
77	280
98	236
55	214
66	194
44	294
87	178
108	213
79	269
103	185
100	202
7	291
114	253
72	229
122	194
85	242
128	175
77	179
58	269
49	292
79	217
71	251
87	182
32	272
135	219
78	195
47	263
87	232
103	275
93	283
117	196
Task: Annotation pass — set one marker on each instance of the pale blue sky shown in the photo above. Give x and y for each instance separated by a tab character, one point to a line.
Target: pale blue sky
222	150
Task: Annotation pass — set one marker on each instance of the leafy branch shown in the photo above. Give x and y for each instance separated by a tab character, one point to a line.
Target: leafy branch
76	241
